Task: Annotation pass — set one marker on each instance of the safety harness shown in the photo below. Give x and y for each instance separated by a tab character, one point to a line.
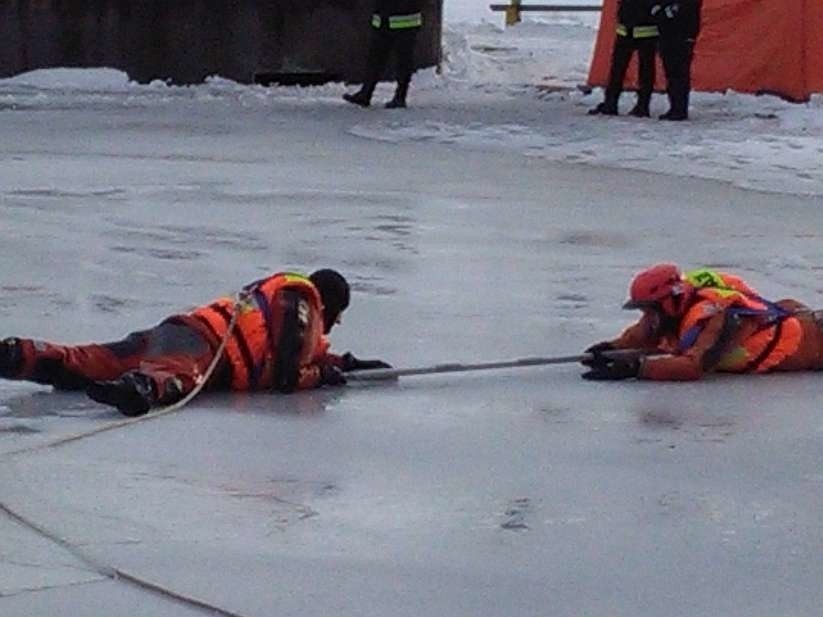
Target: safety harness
771	315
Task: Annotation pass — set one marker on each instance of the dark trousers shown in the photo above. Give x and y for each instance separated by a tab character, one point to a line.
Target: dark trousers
383	43
622	52
169	351
677	54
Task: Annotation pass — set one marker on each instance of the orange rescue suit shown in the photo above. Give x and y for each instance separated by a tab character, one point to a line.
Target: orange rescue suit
252	350
726	327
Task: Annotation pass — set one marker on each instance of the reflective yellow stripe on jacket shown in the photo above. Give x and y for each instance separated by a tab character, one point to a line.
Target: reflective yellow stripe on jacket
646	32
399	22
640	32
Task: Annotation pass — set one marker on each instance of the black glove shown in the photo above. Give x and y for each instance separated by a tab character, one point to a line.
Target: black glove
612	369
330	375
596	352
351	363
665	10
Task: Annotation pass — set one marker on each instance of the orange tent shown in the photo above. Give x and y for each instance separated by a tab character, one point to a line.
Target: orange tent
757	46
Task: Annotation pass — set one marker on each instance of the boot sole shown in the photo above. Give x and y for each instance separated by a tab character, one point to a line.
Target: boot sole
355	102
127	402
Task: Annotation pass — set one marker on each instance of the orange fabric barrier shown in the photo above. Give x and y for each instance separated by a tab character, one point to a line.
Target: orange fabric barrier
756	46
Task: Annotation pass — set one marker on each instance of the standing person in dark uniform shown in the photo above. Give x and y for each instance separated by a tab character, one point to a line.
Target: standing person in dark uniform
395	24
679	24
636	31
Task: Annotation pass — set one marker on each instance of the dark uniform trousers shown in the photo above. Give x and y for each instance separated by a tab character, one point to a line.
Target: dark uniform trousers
677	54
679	25
384	41
624	47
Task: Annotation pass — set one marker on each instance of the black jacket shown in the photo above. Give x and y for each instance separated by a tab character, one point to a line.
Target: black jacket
633	13
678	19
387	8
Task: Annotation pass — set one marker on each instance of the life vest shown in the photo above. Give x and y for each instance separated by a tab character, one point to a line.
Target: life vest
251	348
777	336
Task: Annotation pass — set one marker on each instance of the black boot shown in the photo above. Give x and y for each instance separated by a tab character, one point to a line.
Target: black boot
11	357
362	97
674	115
133	393
396	103
604	109
641	110
399	100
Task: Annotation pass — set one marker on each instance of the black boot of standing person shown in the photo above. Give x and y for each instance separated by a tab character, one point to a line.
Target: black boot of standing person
399	100
362	97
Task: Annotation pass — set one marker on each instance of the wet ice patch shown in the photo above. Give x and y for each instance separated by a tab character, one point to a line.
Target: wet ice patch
158	253
55	193
514	517
109	304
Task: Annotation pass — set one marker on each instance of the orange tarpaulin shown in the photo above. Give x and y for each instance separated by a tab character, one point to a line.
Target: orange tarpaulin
757	46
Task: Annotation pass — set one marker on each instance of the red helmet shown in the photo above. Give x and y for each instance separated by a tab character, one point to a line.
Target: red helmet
661	287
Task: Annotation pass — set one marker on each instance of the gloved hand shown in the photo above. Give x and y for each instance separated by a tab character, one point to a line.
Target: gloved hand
672	10
665	10
612	369
351	363
330	375
596	352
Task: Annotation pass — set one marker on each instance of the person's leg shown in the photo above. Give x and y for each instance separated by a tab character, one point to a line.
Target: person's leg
621	54
646	51
688	57
404	44
676	56
68	367
175	360
379	50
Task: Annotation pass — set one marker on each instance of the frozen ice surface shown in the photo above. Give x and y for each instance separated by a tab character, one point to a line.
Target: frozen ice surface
523	493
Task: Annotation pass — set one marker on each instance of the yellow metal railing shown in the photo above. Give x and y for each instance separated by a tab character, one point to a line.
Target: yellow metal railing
514	9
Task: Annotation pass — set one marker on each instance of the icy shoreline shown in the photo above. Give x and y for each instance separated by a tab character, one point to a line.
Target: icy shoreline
508	89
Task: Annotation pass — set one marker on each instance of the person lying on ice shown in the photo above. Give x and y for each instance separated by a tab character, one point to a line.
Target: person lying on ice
278	343
706	321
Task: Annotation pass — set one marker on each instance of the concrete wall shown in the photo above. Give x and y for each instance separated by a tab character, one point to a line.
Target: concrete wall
187	40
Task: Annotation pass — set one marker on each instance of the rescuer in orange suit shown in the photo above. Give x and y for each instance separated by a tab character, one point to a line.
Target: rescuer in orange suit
278	343
706	321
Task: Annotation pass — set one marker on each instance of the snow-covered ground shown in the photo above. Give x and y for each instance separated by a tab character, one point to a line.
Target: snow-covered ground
492	220
516	89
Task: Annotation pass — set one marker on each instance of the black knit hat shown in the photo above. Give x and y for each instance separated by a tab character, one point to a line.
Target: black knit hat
334	291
